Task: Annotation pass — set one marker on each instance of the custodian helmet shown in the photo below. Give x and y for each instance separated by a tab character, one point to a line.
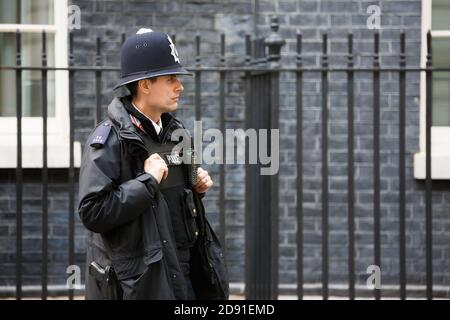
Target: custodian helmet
148	54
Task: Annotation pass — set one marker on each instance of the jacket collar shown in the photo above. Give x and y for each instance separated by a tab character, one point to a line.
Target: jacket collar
118	114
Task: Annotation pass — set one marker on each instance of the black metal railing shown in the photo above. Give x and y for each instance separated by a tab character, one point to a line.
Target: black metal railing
262	79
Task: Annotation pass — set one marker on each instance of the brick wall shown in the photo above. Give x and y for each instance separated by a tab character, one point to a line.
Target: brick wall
109	19
337	18
58	218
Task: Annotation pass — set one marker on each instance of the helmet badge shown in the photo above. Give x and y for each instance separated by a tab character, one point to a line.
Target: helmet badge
174	51
144	30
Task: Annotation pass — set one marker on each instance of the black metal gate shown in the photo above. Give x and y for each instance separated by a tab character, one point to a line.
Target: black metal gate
262	91
262	80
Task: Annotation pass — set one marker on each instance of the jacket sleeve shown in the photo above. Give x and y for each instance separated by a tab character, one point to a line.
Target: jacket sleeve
104	202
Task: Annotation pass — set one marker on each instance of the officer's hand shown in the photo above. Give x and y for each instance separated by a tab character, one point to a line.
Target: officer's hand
204	181
156	166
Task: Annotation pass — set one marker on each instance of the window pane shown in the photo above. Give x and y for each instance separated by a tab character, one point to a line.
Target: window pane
26	11
31	80
8	11
441	52
440	15
441	99
7	78
441	82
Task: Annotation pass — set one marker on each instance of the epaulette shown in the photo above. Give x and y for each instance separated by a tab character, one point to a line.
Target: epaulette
100	135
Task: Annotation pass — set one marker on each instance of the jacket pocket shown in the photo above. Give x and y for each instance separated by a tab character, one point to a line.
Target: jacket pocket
217	260
153	255
153	283
190	217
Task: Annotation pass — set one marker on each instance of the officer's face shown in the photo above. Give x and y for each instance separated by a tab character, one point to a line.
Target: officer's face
164	93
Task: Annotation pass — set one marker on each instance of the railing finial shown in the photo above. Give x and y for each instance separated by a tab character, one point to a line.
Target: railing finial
274	41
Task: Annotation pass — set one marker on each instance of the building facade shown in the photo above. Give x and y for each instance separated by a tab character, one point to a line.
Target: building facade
209	18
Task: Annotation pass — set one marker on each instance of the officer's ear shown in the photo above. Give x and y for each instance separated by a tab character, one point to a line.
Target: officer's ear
144	86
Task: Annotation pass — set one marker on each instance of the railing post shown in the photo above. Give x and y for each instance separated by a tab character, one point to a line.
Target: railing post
428	181
222	129
274	42
299	82
249	276
198	81
19	174
44	170
401	166
324	80
262	186
71	172
376	156
98	84
351	171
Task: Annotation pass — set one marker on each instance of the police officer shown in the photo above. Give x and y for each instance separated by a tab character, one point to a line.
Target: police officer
149	237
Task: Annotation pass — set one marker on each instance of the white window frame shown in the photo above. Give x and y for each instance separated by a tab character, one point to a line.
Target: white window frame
32	127
440	135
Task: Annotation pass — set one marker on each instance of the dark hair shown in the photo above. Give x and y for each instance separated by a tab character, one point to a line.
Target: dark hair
133	86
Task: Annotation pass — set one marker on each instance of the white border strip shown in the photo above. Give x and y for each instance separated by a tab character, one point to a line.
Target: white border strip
31	28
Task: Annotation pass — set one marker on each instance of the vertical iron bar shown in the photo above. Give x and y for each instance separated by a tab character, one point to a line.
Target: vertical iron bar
19	174
18	11
262	219
256	120
273	184
401	166
248	90
71	160
266	183
259	122
197	80
98	84
173	37
256	190
350	165
258	102
264	233
376	154
44	170
123	38
428	181
299	83
325	170
222	129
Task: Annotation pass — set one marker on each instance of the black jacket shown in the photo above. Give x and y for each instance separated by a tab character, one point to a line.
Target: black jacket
129	220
